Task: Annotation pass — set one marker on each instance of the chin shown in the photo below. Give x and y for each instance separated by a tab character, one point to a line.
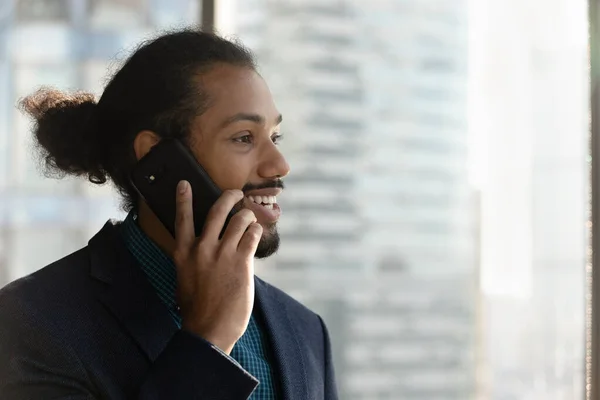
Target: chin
269	243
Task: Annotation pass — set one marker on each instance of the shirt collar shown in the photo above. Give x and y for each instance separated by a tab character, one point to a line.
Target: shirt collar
155	263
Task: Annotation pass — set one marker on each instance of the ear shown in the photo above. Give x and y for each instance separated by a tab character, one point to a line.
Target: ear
143	142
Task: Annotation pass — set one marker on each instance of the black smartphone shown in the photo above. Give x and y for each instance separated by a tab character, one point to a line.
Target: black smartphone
156	175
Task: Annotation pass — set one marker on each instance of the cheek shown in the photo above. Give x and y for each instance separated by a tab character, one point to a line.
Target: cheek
230	176
228	169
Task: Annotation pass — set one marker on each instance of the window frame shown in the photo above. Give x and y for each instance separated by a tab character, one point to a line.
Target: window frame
592	356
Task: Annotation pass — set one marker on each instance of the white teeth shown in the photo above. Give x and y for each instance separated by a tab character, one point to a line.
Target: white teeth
268	206
269	200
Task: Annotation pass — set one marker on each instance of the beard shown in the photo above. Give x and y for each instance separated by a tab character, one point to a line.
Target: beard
269	242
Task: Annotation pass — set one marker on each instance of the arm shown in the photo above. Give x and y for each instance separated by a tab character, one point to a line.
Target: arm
331	392
192	368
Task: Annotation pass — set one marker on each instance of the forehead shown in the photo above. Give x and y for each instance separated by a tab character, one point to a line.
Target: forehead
233	90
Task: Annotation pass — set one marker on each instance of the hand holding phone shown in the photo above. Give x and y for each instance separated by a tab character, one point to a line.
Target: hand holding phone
215	248
215	276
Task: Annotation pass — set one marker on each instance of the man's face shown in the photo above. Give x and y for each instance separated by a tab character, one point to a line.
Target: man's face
236	139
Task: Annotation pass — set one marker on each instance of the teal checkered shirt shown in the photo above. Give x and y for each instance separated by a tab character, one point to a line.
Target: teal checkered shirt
252	351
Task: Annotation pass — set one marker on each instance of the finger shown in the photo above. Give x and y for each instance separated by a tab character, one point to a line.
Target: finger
250	239
218	214
185	235
236	228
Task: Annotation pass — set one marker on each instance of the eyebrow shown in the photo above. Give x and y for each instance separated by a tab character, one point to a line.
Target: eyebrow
257	119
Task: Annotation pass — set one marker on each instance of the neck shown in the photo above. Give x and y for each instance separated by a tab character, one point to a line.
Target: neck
155	230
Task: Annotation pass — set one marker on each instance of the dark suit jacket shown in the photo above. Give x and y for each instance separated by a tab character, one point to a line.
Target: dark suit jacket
90	326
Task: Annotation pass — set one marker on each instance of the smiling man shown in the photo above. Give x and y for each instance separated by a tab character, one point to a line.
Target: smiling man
141	314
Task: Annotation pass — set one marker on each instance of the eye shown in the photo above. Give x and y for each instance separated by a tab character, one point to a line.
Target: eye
245	139
277	138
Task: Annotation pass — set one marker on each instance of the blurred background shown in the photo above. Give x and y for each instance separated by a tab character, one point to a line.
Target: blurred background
436	214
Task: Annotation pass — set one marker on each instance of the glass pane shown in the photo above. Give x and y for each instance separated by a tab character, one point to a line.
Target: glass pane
117	14
49	247
42	10
435	214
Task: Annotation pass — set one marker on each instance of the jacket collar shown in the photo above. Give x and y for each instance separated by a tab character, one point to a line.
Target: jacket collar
127	293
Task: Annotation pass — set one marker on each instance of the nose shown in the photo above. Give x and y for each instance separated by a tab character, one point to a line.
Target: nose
273	164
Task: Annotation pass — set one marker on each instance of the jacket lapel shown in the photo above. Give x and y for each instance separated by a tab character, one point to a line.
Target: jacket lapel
282	335
127	293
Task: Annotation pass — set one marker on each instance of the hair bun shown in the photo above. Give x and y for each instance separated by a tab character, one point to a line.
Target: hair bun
65	132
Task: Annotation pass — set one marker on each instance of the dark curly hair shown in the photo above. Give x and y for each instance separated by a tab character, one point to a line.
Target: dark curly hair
156	89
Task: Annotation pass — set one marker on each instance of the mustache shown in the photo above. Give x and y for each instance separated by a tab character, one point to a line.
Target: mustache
274	184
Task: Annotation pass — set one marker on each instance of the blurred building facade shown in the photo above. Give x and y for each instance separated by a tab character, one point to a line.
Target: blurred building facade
378	229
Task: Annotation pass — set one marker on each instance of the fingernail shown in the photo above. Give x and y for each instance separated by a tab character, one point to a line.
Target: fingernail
182	187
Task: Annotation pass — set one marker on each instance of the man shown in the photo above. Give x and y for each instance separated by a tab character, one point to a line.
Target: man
138	313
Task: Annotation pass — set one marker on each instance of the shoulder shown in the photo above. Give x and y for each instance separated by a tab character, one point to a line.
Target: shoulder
38	314
59	275
298	313
302	328
45	292
62	288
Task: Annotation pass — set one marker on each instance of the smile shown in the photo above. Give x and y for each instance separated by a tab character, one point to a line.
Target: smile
265	201
265	208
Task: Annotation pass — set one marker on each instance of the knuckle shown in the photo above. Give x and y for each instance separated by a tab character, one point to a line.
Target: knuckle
182	198
225	196
232	193
181	209
236	219
231	197
203	251
181	216
243	215
255	231
254	235
220	207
